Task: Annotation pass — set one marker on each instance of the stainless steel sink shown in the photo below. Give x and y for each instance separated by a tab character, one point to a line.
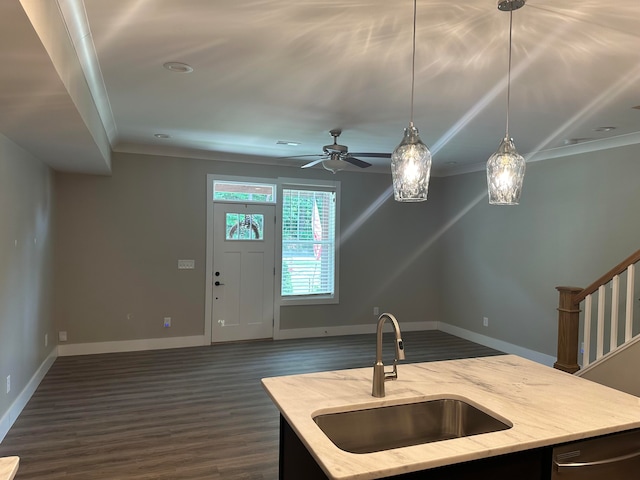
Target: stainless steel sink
383	428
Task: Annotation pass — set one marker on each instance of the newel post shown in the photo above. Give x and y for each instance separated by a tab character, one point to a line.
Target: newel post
568	326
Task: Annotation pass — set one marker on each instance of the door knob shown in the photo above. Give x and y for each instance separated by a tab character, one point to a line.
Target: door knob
217	284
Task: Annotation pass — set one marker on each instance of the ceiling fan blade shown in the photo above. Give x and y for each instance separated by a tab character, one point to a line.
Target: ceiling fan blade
302	156
356	161
373	155
311	164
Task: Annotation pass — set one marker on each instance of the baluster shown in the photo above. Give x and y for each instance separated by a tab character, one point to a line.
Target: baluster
615	300
628	331
587	331
600	326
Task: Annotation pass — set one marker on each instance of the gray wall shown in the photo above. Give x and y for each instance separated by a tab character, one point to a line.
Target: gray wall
26	212
453	258
119	238
576	220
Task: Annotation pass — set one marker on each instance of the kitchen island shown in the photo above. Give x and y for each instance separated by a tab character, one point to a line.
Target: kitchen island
543	407
8	467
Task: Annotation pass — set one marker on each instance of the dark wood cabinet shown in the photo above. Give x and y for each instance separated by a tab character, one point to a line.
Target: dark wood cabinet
296	462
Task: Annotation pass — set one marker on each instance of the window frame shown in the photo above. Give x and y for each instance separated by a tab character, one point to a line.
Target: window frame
307	184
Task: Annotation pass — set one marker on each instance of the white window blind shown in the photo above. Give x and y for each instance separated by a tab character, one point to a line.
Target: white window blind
308	242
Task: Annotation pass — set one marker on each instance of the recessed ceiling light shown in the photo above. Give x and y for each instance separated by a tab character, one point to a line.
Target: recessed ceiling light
604	129
161	135
284	142
178	67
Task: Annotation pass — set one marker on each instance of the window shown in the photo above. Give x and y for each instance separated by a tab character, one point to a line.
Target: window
231	191
308	242
240	226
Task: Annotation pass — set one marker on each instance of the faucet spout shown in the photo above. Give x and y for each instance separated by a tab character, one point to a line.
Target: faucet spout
379	374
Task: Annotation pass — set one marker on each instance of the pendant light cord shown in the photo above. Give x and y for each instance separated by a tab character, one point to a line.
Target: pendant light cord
509	73
413	59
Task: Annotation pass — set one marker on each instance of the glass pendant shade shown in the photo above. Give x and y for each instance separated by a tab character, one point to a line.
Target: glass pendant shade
505	174
334	164
411	168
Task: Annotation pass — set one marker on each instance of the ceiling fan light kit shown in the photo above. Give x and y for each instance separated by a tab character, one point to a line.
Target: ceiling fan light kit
506	167
411	160
334	164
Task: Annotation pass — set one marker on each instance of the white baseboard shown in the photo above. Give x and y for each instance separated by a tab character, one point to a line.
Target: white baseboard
66	350
497	344
293	333
9	418
413	326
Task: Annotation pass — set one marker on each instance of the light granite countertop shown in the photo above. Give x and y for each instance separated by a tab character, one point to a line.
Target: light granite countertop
8	467
545	406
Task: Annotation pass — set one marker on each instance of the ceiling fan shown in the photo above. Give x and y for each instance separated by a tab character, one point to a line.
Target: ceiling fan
335	157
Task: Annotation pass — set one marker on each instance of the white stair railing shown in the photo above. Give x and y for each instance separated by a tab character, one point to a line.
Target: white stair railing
620	314
614	317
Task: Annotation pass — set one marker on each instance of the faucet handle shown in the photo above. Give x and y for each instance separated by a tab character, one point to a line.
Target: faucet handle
393	374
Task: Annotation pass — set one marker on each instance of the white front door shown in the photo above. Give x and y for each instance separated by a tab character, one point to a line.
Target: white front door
243	271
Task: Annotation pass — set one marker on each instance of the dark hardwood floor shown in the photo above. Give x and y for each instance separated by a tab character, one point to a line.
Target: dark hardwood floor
191	413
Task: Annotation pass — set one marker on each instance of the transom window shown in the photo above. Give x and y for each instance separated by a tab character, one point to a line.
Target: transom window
244	192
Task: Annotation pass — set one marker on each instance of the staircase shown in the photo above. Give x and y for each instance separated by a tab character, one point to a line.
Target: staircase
598	336
618	370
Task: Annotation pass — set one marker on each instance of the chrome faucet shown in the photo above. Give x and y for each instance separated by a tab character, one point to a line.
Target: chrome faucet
379	375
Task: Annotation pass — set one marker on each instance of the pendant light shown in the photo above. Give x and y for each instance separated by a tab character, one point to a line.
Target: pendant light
411	160
505	168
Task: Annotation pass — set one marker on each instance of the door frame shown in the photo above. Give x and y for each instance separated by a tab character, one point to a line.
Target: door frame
208	303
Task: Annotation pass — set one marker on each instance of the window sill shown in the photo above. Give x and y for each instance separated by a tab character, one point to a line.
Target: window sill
309	300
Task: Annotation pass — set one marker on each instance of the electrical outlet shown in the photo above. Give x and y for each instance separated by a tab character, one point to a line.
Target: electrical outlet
167	322
62	336
485	321
8	383
376	310
186	264
46	339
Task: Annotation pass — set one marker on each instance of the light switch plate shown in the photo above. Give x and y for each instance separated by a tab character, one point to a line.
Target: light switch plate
186	264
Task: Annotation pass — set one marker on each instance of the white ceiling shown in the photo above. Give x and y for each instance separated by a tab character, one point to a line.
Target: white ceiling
287	70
